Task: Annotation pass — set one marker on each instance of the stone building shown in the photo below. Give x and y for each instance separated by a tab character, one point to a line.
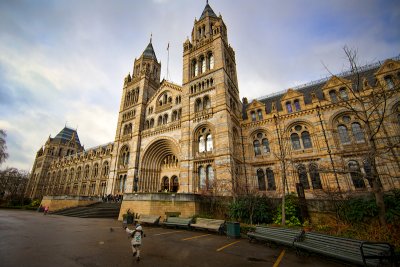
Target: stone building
200	138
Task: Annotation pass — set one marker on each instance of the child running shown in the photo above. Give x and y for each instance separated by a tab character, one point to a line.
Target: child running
136	240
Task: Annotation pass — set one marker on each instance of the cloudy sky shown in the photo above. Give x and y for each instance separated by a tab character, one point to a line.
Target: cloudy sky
63	62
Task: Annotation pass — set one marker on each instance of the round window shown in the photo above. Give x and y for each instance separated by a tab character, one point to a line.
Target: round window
297	128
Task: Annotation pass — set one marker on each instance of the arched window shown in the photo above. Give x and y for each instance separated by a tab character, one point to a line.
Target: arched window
343	134
295	140
175	184
256	146
202	144
202	177
289	107
206	102
297	105
196	69
343	94
159	121
199	105
210	177
265	144
124	156
86	172
78	174
95	170
106	169
355	174
271	180
260	115
209	144
357	132
174	115
253	116
165	183
389	82
165	119
261	180
315	178
152	123
368	172
303	178
305	138
210	61
203	64
333	96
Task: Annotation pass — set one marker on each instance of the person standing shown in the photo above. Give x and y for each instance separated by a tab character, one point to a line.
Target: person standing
136	240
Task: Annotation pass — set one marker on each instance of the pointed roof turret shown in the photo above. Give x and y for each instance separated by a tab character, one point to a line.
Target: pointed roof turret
149	51
207	12
66	134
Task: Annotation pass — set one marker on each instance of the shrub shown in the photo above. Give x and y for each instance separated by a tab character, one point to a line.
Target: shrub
252	209
292	211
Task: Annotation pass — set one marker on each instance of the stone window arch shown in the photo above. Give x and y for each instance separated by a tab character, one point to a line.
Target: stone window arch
343	94
260	144
261	180
297	105
333	96
198	105
202	64
355	174
71	175
260	115
174	183
300	137
210	60
165	119
303	177
152	123
78	174
95	170
206	102
289	107
160	120
106	169
253	116
345	123
210	176
124	156
270	179
204	140
165	183
202	177
86	172
389	82
314	175
195	68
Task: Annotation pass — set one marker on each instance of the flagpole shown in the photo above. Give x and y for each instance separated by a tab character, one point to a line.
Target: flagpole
168	62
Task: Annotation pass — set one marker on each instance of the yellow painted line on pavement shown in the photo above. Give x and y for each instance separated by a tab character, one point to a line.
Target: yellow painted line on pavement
228	245
193	237
276	264
166	233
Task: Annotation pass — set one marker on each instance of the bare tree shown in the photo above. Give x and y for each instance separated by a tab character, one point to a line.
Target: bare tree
12	184
369	104
3	146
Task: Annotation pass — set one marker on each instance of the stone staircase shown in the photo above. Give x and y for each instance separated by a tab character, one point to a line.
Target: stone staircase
97	210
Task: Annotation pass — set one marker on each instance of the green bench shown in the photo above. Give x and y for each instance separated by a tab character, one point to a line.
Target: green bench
346	249
284	236
177	222
148	219
209	224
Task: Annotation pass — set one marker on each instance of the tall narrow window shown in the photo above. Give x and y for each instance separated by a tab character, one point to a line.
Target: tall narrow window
199	105
302	172
209	144
357	132
315	178
207	102
343	94
368	172
295	141
261	180
202	177
289	107
253	116
343	134
355	174
333	96
211	60
256	145
202	144
260	115
203	65
305	137
196	69
389	82
297	105
271	180
210	177
265	144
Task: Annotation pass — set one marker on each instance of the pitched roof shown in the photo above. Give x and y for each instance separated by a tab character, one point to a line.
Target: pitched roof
149	52
66	134
208	12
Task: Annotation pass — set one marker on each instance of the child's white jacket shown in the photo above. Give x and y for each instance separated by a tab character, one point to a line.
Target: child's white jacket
137	236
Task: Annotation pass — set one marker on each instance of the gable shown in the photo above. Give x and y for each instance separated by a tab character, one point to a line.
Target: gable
290	94
388	66
335	81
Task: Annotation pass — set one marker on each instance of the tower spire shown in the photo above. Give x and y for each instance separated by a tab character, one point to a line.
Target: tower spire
151	36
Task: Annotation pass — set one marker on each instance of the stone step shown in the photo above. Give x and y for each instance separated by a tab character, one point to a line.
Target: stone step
97	210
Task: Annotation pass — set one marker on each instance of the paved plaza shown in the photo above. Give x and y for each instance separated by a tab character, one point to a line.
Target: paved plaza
29	238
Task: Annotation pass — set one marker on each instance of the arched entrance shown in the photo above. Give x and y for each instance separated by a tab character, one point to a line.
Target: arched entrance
159	169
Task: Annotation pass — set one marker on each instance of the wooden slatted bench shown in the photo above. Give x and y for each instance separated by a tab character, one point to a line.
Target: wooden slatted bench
284	236
209	224
149	219
346	249
177	222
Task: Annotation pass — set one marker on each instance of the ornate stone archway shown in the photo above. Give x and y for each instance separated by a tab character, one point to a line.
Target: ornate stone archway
160	160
